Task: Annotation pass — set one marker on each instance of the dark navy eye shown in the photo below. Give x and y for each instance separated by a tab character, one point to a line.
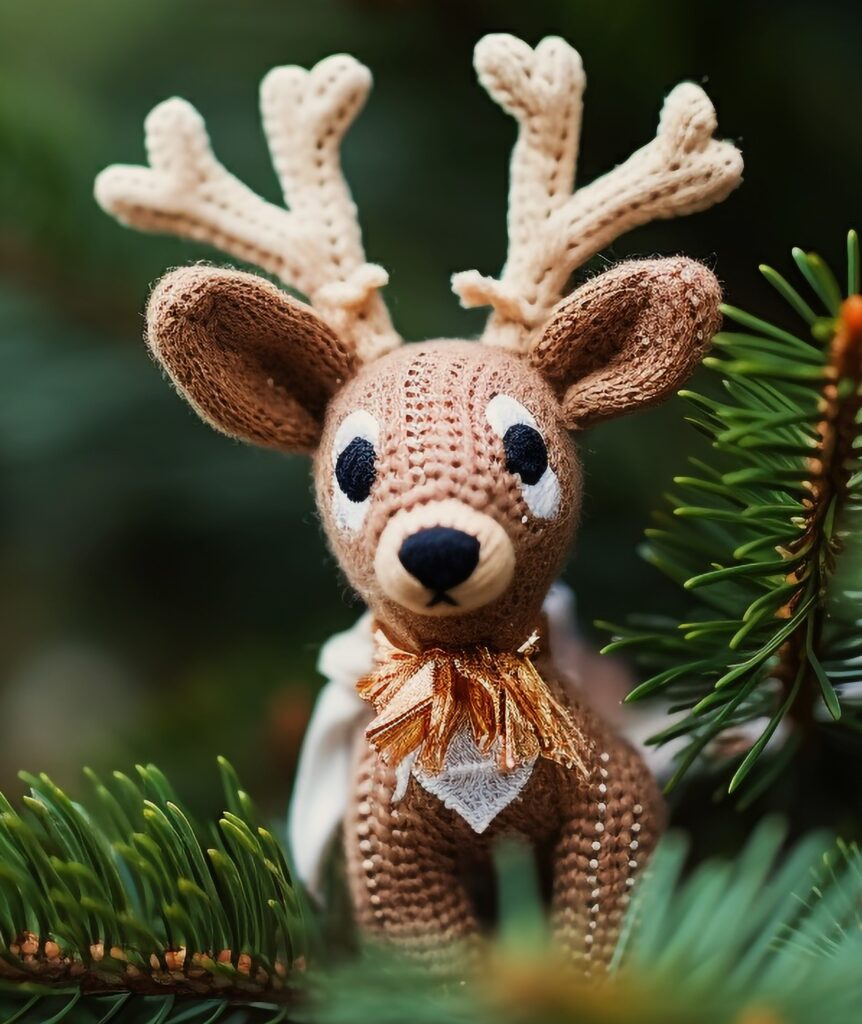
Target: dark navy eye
355	469
526	453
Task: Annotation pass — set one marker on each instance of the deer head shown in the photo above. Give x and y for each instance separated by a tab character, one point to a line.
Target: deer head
446	474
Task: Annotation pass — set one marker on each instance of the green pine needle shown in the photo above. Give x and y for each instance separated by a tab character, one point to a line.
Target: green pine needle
770	936
122	892
768	541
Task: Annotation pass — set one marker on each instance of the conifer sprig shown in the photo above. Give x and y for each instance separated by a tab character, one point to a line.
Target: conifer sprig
129	893
779	937
765	533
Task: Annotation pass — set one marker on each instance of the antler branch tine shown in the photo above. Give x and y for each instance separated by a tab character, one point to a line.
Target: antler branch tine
186	192
683	170
543	90
316	245
305	117
551	231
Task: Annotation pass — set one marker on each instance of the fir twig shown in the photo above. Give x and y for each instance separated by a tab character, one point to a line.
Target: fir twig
127	893
764	534
730	942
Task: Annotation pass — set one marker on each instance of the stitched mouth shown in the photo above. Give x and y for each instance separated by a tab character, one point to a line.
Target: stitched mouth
441	597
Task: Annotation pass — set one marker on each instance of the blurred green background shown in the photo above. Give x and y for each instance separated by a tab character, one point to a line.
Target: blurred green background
164	591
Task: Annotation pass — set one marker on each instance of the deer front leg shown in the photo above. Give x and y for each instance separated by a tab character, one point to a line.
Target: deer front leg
404	871
611	827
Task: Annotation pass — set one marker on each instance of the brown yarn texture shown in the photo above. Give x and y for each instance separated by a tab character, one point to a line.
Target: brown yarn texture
628	338
436	444
255	363
411	863
264	367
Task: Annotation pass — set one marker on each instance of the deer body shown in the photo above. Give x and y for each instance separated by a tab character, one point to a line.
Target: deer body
446	474
411	858
415	864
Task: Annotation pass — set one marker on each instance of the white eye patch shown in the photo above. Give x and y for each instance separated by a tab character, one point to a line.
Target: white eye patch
526	454
354	468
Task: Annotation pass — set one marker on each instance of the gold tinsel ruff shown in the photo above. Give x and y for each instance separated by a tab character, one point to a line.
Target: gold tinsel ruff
423	700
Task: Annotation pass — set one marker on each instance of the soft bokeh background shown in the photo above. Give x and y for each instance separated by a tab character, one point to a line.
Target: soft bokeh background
164	592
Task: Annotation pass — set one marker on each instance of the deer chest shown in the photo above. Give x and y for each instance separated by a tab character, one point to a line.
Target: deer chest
471	783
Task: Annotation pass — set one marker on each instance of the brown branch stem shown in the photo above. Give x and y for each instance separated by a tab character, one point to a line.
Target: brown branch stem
169	972
831	469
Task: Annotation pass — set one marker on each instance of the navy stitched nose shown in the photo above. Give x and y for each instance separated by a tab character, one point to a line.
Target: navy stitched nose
440	558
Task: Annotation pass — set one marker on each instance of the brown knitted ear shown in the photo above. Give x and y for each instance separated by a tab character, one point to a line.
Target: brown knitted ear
628	338
253	362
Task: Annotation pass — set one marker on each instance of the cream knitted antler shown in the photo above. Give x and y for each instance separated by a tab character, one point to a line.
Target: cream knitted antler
552	231
316	246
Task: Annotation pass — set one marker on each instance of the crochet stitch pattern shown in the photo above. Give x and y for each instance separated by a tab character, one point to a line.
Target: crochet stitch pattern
446	474
552	231
317	246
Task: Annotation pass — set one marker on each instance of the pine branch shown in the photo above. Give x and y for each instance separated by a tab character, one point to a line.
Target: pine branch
765	534
129	876
129	894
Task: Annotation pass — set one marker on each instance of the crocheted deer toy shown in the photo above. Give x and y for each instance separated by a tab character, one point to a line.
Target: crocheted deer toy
446	475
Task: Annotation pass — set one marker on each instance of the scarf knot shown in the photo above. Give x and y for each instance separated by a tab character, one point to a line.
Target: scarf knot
423	700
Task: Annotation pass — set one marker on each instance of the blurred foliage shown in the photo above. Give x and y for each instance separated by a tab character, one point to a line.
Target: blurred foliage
110	933
164	592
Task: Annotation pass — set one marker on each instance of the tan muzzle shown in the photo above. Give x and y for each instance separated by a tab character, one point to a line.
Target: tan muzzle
444	558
